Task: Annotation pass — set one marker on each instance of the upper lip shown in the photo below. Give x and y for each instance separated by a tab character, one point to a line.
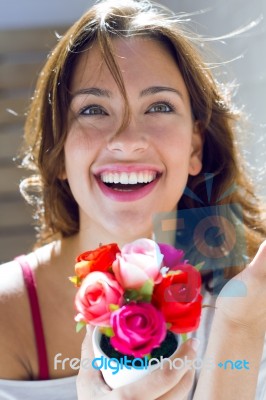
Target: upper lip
126	168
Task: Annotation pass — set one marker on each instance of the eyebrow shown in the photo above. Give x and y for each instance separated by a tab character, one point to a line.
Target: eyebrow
157	89
107	93
92	91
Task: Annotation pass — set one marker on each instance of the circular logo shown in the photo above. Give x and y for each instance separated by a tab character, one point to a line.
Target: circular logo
214	236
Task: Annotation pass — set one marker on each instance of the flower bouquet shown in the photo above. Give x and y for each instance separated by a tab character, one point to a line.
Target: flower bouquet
139	299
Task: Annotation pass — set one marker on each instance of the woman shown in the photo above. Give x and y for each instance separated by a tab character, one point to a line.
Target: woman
125	116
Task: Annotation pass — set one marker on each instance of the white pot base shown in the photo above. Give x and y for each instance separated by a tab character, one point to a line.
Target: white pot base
115	372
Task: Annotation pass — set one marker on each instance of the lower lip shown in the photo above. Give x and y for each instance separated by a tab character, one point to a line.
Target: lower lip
127	195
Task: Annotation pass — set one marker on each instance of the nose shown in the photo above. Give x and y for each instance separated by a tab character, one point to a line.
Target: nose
129	139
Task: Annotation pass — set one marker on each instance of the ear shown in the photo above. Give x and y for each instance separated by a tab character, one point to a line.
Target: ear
195	163
62	175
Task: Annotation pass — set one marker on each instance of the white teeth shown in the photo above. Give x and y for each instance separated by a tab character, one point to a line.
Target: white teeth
116	178
124	178
140	177
145	177
131	178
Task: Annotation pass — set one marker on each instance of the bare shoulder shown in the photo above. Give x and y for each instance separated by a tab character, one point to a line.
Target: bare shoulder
14	311
11	280
17	345
12	291
18	353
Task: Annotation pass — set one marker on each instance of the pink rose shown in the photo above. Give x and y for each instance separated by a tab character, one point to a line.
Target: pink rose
97	291
138	329
138	261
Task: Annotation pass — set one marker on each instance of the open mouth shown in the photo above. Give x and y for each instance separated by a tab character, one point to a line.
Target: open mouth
128	181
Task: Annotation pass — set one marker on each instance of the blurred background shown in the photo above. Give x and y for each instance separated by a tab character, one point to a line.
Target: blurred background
27	33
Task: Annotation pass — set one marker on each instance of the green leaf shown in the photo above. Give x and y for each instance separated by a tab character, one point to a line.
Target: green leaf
147	288
176	272
113	307
131	295
199	265
107	331
80	325
184	337
142	294
148	356
75	279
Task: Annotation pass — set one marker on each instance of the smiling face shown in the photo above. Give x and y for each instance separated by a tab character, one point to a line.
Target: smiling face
121	178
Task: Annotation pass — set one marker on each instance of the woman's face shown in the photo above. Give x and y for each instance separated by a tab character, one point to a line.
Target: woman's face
121	180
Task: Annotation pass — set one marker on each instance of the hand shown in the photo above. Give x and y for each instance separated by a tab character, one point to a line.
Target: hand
162	384
242	300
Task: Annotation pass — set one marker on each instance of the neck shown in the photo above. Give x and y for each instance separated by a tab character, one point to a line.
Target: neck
87	240
90	239
92	235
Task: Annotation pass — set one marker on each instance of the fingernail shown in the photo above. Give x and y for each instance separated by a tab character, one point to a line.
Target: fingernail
195	343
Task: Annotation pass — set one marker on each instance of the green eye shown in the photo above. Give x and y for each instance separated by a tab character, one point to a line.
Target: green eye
93	110
161	108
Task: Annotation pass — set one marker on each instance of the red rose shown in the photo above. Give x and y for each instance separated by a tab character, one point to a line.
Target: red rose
100	259
179	299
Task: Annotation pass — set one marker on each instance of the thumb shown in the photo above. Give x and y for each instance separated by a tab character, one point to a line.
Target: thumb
89	381
188	348
87	354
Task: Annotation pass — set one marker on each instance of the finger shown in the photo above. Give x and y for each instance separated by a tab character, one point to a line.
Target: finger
190	345
88	378
184	386
182	389
160	381
86	353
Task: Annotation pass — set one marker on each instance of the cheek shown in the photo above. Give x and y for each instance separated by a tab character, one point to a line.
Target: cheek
82	145
175	150
77	159
174	134
85	132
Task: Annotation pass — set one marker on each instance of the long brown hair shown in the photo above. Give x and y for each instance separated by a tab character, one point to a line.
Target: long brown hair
46	130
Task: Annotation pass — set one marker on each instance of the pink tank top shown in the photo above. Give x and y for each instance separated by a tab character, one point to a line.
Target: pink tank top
30	284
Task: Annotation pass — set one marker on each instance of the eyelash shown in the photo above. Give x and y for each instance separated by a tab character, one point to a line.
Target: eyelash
103	112
92	106
163	103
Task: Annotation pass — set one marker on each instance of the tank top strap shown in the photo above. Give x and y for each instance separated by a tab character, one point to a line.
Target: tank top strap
30	284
